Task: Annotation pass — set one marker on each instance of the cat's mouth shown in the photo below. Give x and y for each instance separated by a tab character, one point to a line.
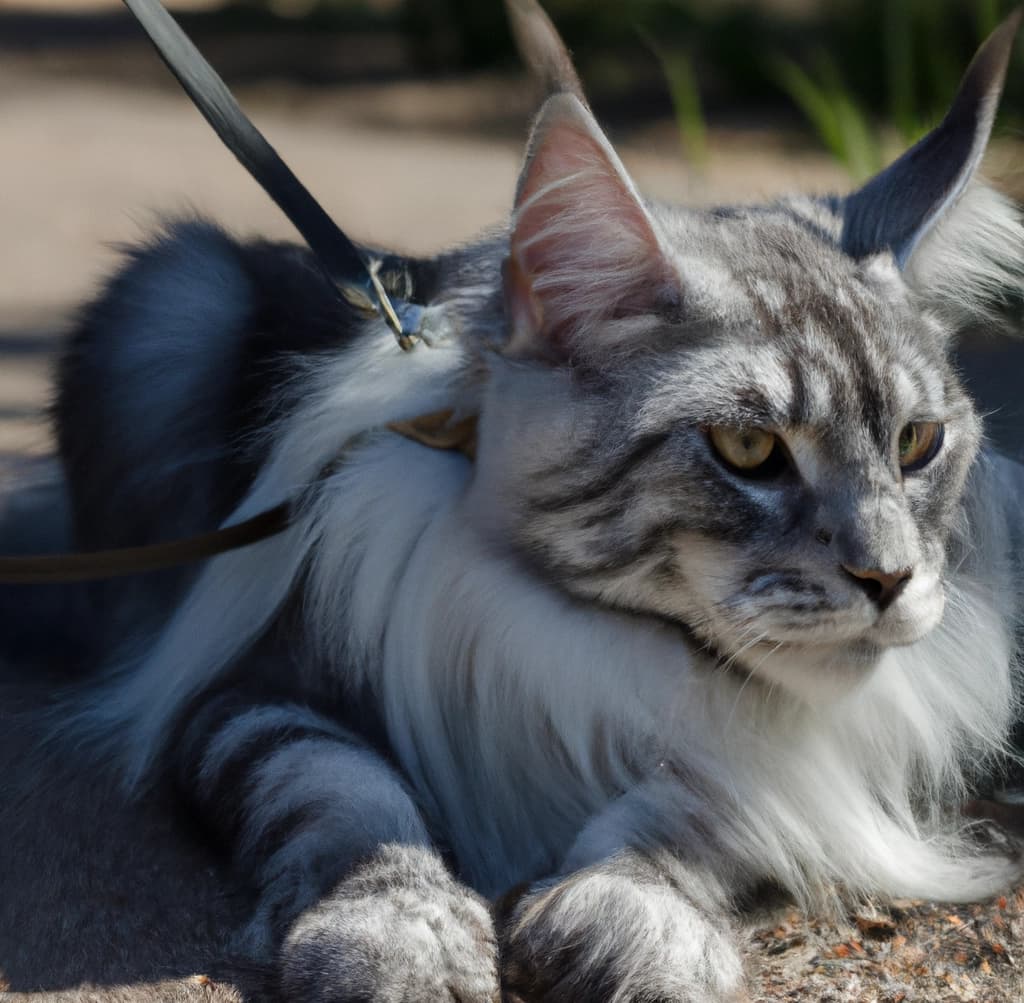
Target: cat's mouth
819	653
816	643
857	642
818	618
826	659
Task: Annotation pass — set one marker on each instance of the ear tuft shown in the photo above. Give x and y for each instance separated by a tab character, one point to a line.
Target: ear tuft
970	266
583	250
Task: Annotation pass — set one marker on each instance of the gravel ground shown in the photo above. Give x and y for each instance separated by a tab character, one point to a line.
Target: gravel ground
906	952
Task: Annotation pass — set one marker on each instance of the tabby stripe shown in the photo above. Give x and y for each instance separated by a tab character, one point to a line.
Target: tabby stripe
318	792
277	834
296	798
223	770
859	378
654	541
610	478
291	783
799	410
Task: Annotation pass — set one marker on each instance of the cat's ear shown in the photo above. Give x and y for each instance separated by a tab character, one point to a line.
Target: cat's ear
542	49
584	252
957	241
898	207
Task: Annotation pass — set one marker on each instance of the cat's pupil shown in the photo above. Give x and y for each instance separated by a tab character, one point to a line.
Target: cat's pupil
908	440
919	443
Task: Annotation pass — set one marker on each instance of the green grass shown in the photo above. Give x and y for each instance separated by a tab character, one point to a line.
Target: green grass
839	121
681	78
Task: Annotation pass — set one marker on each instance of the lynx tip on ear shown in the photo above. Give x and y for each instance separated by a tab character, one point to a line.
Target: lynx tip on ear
541	48
986	75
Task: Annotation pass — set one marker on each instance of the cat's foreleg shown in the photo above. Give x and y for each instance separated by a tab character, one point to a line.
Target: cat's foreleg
352	895
640	927
641	910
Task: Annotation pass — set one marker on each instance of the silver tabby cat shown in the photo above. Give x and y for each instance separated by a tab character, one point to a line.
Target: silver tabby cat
728	598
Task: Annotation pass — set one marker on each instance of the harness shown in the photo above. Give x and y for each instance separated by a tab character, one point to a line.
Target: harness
353	273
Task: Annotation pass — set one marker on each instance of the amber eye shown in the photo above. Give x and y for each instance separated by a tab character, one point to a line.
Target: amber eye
747	450
918	443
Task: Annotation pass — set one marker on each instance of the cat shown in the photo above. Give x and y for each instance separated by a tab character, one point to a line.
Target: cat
727	599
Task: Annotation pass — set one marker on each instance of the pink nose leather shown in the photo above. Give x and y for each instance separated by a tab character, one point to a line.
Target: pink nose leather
881	587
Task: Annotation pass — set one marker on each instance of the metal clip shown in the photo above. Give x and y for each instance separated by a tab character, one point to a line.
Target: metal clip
406	339
405	319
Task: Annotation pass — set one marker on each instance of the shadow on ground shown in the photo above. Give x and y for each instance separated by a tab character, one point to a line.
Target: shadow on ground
104	893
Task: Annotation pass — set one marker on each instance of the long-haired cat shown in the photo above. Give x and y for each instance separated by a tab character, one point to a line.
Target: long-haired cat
726	599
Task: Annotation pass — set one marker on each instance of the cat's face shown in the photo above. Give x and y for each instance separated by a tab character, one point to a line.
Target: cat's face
777	469
720	418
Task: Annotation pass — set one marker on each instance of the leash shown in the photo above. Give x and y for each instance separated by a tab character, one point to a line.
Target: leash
350	271
52	569
345	265
437	431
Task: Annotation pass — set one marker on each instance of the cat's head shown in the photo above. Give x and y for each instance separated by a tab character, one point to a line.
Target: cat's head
746	420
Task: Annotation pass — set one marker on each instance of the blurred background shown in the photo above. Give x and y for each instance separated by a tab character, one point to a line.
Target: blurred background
407	119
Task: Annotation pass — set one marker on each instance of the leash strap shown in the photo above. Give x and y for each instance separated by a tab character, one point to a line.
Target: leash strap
436	431
50	569
339	257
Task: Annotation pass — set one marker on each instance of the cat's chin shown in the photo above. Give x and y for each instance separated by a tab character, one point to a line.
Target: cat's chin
813	673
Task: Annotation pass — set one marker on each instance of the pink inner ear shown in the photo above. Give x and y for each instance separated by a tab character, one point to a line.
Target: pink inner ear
583	249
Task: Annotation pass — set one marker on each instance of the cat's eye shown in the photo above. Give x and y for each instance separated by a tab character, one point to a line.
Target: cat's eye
918	444
753	452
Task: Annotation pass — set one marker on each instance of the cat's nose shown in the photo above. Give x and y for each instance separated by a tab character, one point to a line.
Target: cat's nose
881	587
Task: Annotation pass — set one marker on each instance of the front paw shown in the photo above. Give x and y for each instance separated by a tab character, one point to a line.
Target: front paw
397	930
603	936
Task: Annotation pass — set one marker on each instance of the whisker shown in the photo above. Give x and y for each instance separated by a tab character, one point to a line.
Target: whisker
746	682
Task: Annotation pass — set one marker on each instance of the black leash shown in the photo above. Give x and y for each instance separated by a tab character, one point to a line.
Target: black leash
344	263
97	565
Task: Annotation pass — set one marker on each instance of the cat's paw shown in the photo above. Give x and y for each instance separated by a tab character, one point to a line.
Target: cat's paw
605	937
397	930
